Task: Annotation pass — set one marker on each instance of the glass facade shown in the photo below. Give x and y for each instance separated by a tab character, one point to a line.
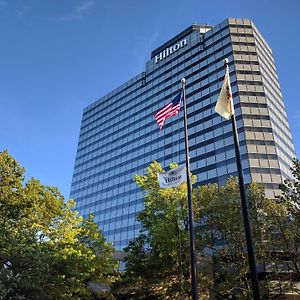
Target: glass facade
119	136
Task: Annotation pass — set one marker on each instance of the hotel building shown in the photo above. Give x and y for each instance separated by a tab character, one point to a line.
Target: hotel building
119	136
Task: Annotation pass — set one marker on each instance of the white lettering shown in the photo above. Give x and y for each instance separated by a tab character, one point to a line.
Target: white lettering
158	57
183	43
166	52
176	47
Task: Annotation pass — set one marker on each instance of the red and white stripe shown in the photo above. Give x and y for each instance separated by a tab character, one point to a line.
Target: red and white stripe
165	113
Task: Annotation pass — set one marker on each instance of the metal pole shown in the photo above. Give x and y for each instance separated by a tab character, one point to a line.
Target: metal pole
244	203
190	202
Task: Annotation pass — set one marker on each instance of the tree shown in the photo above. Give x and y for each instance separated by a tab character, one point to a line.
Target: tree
285	240
290	229
224	236
275	229
46	250
157	262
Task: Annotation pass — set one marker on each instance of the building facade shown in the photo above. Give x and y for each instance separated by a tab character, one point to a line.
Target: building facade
119	136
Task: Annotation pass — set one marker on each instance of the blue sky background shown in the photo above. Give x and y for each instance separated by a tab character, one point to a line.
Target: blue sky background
58	56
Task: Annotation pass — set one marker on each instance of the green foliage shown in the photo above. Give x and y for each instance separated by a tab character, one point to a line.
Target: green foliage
225	237
288	219
280	235
157	261
46	250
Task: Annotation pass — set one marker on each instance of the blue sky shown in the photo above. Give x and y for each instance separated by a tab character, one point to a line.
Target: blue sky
58	56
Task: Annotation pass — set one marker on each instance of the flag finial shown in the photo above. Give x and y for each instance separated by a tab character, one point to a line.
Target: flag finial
183	81
226	61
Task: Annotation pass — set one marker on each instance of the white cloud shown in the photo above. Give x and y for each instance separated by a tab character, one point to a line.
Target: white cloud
22	13
78	11
84	6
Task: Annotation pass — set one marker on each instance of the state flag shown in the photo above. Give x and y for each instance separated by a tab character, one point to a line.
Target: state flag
224	106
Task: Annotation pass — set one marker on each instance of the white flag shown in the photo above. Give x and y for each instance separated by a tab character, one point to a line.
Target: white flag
172	178
224	106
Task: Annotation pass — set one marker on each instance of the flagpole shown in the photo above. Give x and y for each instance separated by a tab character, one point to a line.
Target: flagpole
244	204
190	202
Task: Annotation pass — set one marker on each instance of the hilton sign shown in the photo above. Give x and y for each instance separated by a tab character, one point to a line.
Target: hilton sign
169	51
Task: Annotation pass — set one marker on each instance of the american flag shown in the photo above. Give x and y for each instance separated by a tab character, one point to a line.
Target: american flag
171	109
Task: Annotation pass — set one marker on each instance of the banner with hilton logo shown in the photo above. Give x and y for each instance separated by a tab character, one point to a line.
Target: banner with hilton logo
172	178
